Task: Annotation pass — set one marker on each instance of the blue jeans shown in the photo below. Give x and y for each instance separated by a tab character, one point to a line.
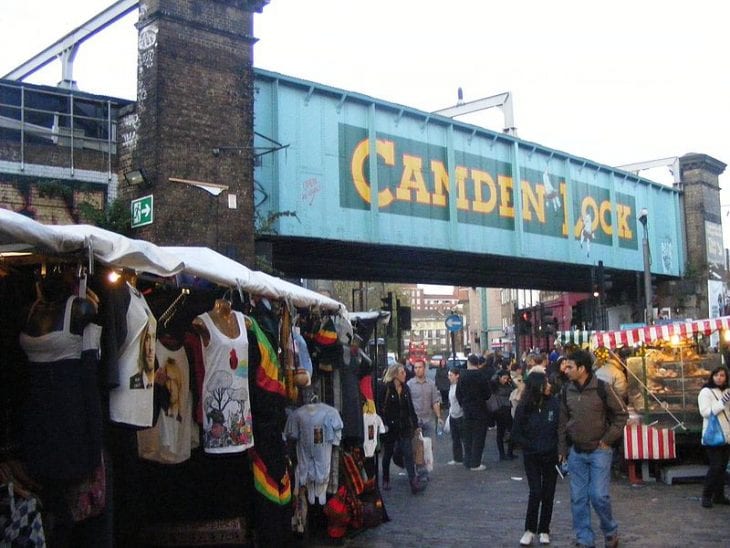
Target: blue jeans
590	476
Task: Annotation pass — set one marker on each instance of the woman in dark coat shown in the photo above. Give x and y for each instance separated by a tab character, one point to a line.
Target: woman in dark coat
535	428
398	414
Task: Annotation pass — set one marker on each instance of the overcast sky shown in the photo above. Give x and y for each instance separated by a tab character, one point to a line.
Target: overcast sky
616	82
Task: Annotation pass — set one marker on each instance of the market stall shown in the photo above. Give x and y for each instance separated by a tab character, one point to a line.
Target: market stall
666	366
297	351
577	337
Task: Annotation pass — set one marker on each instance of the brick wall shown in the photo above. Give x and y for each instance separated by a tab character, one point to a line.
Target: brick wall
194	95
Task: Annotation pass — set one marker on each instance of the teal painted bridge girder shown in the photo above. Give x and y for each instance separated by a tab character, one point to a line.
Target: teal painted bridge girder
439	184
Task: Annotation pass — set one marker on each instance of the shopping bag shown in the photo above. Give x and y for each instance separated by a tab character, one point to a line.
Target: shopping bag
418	457
493	404
713	436
20	520
447	425
427	453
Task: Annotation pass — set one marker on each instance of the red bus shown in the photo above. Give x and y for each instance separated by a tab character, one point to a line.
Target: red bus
417	352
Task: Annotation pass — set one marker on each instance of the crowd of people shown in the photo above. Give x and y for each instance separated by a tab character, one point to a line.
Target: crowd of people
554	408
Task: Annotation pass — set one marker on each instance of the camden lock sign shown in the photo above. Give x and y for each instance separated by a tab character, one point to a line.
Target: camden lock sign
413	180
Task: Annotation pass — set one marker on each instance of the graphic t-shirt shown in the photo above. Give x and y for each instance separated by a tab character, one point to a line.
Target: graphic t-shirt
132	401
373	425
225	396
316	427
173	436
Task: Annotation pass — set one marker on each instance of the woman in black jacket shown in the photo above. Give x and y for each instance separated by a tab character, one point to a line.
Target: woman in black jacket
501	389
535	428
398	414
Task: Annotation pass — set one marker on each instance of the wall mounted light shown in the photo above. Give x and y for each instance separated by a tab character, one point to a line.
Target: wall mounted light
136	177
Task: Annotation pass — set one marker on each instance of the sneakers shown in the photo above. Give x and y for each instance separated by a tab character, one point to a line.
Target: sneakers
612	541
478	468
544	538
527	538
452	462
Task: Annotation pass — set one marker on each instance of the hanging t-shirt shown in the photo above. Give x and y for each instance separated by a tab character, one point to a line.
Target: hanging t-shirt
316	427
132	401
225	397
372	425
173	436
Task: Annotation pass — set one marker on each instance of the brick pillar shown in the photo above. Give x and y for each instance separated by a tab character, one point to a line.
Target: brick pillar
703	223
194	122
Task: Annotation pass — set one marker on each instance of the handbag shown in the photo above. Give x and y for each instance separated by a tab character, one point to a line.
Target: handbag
713	435
418	456
492	404
427	453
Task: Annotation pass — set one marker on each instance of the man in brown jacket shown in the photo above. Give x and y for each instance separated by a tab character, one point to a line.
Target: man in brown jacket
592	418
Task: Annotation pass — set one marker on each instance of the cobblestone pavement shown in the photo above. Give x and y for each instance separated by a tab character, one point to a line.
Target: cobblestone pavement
486	509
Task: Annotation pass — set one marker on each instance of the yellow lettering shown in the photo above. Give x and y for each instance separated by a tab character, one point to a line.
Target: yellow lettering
479	204
462	202
412	179
605	217
386	150
506	209
531	201
440	183
622	214
564	193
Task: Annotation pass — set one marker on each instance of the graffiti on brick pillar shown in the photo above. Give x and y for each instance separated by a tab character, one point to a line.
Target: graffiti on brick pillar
49	201
146	50
129	125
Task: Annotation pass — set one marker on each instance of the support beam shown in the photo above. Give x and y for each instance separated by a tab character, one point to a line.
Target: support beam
66	47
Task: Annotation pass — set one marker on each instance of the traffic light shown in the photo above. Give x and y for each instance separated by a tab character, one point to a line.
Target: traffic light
525	322
404	318
387	302
548	322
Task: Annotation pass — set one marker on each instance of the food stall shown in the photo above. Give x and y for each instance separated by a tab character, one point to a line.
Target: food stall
666	367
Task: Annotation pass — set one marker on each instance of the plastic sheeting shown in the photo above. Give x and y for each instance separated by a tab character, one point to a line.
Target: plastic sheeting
21	233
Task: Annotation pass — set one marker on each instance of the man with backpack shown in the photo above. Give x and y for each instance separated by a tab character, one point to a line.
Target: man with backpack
592	418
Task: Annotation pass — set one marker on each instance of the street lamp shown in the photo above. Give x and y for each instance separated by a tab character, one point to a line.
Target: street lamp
643	217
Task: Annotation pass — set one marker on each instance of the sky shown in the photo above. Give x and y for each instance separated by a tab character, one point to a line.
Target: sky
616	83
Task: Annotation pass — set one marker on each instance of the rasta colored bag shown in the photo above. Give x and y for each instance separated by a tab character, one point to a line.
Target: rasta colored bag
713	436
326	335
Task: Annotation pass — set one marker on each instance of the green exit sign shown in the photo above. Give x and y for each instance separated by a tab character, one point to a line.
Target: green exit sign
142	211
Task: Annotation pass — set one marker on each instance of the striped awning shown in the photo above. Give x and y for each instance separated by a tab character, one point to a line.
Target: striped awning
649	334
578	337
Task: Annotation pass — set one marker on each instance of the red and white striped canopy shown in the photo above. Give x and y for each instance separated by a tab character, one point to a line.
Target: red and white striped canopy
649	334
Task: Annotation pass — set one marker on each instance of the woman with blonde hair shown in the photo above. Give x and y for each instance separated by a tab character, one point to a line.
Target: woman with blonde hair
398	414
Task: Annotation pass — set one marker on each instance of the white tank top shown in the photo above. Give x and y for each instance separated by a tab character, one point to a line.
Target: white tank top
132	401
54	345
226	406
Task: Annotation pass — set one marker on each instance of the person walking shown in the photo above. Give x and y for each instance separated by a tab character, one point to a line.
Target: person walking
456	419
400	417
427	403
536	430
593	417
502	388
472	393
714	399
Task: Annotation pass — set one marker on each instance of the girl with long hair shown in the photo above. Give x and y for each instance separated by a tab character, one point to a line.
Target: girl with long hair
398	414
714	399
535	428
